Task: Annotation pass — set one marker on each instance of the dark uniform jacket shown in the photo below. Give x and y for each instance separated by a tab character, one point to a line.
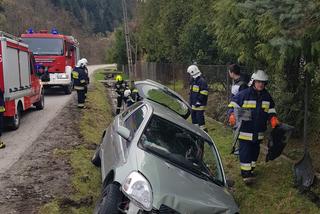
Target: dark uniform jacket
120	87
262	108
80	77
198	93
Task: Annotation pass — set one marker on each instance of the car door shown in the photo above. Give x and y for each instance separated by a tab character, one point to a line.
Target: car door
163	95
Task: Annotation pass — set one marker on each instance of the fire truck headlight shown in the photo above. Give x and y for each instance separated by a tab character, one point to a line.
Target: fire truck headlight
62	76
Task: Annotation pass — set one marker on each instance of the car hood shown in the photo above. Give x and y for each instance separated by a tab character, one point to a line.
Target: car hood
181	190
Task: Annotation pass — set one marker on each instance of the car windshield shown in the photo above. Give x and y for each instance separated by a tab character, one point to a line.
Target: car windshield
183	148
163	97
45	46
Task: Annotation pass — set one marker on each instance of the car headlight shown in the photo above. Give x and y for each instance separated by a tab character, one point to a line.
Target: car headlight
62	76
138	189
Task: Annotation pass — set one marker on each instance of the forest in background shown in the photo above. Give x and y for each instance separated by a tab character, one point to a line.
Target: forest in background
279	36
90	21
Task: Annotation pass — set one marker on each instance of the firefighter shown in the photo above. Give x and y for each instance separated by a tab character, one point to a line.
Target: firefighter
2	110
259	102
120	87
81	80
131	95
239	83
85	63
198	96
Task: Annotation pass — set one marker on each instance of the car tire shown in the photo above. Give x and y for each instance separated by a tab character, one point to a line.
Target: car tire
96	160
40	104
110	200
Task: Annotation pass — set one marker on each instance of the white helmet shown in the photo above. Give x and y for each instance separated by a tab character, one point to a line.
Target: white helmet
127	93
82	62
193	70
260	75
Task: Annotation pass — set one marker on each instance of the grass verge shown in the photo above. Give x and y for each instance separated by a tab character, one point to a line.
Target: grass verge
273	192
86	180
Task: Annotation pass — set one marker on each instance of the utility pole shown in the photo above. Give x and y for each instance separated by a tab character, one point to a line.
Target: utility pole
127	37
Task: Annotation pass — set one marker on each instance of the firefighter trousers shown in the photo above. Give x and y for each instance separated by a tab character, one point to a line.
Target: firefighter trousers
81	97
248	152
119	104
197	117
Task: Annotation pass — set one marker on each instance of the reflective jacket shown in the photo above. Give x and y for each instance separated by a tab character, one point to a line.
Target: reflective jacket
80	78
2	105
120	87
198	93
262	108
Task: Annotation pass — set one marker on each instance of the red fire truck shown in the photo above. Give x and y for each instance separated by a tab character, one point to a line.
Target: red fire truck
19	82
57	53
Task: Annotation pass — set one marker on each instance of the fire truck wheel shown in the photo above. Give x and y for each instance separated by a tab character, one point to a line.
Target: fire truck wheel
68	89
15	120
40	104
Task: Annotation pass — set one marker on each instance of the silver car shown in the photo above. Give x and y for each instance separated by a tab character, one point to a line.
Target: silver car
154	161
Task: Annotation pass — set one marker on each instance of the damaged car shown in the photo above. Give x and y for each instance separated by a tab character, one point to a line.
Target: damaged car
154	161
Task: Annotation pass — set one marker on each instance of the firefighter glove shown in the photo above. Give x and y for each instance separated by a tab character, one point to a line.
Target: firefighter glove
232	119
274	121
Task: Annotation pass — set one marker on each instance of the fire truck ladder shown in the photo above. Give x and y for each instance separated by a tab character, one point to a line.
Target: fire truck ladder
127	36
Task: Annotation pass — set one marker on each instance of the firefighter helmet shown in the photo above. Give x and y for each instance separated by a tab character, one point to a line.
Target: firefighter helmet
119	78
82	62
127	93
193	70
260	75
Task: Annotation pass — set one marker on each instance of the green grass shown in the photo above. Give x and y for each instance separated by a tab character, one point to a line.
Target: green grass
86	179
273	192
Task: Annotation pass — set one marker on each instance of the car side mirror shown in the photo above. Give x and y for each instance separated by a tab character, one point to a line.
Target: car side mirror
124	132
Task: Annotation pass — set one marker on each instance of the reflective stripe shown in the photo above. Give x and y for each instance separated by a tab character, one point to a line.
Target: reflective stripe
80	105
249	104
260	136
75	75
135	90
2	109
245	136
82	81
245	166
233	104
204	92
199	108
253	164
78	87
265	104
272	111
195	88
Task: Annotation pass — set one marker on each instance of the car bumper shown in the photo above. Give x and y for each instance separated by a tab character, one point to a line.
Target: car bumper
55	81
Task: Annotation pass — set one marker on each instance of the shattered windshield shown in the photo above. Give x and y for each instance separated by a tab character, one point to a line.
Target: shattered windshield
45	46
182	148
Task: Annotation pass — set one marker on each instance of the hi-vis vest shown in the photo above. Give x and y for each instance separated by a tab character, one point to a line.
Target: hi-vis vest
262	108
198	93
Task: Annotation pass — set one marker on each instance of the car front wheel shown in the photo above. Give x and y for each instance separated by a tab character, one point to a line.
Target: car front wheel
110	200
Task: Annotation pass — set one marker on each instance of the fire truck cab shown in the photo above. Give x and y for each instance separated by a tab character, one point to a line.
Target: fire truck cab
19	82
57	54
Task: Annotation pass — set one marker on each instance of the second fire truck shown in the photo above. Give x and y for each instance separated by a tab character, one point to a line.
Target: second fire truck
57	54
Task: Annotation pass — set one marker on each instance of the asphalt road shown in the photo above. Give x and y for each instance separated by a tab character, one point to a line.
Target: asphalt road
33	123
